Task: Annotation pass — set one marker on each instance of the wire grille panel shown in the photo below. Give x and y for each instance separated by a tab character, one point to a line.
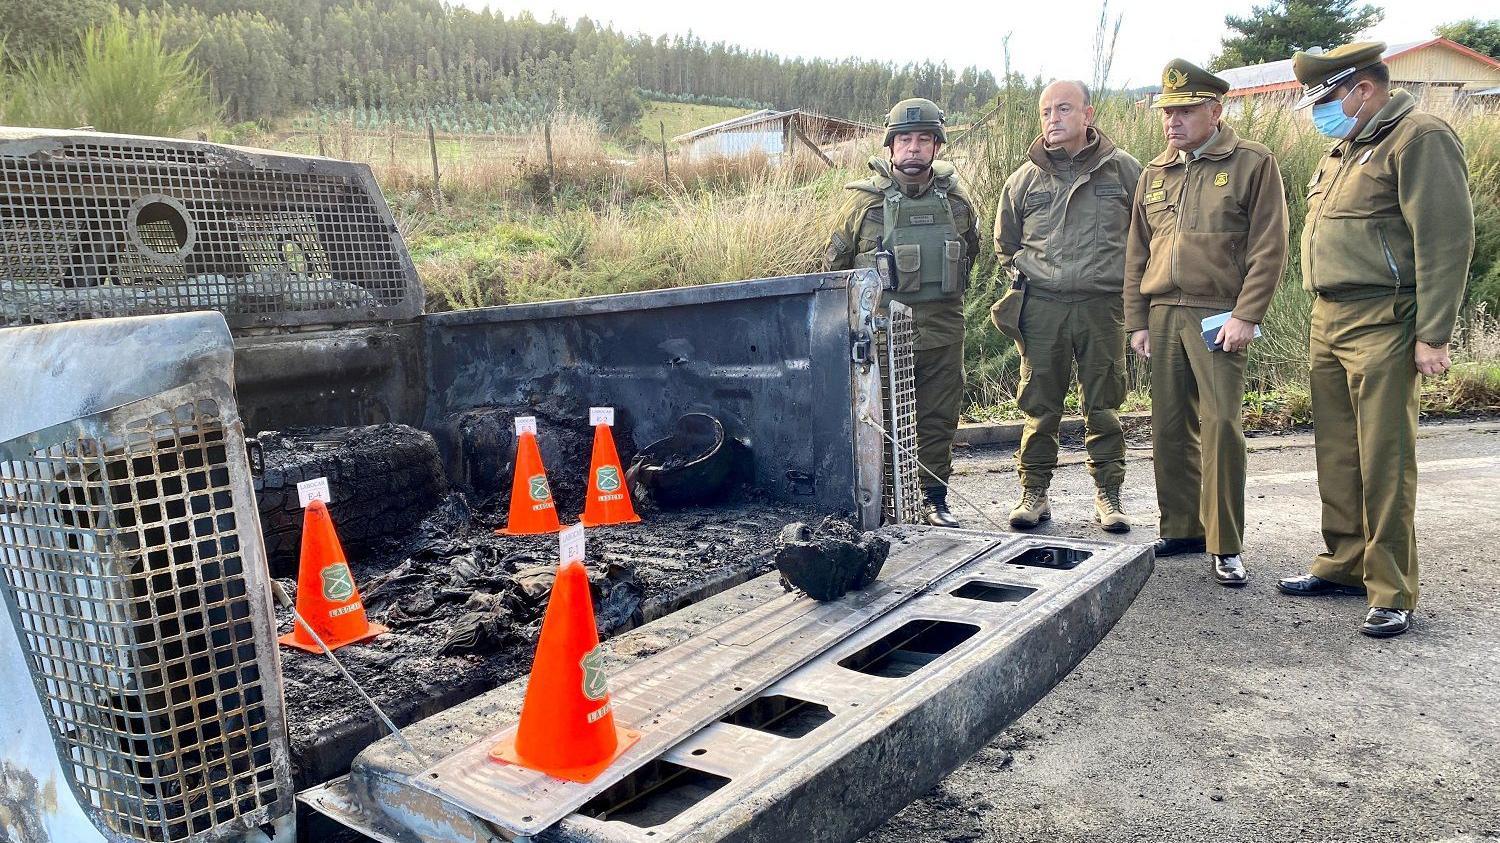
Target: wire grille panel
125	573
119	226
899	387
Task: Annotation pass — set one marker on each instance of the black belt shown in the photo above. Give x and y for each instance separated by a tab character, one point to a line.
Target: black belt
1361	295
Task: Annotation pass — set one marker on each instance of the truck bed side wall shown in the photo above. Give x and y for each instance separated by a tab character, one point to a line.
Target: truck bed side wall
345	377
771	358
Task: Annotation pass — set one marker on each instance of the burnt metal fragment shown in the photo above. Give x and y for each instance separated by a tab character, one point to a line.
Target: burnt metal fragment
831	560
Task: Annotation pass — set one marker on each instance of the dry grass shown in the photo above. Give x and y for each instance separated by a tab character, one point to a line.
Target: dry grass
763	229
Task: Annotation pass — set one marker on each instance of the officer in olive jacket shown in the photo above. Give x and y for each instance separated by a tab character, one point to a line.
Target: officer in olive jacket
1208	237
1060	232
1386	250
915	207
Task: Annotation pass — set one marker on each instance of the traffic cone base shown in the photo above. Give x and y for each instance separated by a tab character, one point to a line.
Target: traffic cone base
584	520
505	751
327	598
608	500
290	639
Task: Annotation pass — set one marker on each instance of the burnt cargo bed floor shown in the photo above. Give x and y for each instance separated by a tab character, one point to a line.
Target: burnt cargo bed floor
455	583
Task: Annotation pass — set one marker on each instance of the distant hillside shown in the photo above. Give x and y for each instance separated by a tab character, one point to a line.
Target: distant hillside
270	58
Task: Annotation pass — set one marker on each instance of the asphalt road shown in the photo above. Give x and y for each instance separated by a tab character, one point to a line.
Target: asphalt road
1212	714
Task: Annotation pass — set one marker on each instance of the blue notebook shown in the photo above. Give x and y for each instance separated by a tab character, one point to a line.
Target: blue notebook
1211	326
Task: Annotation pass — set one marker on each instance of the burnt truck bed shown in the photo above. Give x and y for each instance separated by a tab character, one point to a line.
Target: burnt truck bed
464	607
771	359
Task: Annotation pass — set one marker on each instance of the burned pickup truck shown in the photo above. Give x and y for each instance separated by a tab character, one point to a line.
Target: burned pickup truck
192	329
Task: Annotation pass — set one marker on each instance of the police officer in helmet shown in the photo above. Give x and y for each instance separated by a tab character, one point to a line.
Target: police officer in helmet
914	207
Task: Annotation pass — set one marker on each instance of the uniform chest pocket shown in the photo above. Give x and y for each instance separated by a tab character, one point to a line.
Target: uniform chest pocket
1366	192
1220	208
1160	213
1037	200
908	267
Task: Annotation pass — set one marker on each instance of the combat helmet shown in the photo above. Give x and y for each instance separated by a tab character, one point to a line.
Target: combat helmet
914	115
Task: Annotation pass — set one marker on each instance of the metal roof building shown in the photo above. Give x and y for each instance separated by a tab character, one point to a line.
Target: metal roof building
1440	70
771	132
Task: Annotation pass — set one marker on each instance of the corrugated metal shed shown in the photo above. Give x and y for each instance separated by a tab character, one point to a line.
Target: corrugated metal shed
768	131
1437	61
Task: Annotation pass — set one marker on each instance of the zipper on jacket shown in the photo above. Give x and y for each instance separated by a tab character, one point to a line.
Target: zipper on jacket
1177	225
1390	259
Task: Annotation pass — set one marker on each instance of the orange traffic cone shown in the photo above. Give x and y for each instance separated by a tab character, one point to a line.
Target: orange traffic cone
567	726
609	496
532	511
326	596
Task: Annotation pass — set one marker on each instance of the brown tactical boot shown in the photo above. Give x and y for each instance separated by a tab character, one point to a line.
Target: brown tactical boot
1109	512
1033	509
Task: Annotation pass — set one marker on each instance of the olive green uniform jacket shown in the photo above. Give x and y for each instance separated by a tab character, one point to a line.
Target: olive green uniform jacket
1062	222
1207	233
862	224
1389	212
1389	234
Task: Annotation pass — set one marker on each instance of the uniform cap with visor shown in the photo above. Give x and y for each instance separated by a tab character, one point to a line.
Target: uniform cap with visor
1321	72
1185	83
914	115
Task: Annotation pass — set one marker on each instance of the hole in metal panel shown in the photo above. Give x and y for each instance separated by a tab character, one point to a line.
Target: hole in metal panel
654	794
908	649
1064	558
162	228
781	715
991	592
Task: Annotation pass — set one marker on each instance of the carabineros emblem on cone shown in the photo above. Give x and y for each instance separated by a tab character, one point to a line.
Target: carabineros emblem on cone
607	478
338	583
595	683
537	486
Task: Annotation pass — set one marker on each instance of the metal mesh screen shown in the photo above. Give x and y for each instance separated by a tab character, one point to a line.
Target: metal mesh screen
903	491
113	226
125	574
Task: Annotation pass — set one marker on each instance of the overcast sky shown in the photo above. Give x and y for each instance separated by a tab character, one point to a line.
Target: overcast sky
1053	38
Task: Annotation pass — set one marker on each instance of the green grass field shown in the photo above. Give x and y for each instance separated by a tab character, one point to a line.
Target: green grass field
681	117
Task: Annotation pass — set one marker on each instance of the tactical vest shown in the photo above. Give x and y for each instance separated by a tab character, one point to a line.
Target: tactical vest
925	241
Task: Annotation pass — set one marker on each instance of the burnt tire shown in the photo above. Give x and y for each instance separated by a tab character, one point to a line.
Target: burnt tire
383	479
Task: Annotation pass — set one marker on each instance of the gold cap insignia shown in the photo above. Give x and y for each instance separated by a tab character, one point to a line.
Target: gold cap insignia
1221	179
1173	79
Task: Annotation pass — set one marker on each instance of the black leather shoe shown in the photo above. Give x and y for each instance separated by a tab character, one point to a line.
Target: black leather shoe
936	507
1176	547
1230	570
1310	585
1385	623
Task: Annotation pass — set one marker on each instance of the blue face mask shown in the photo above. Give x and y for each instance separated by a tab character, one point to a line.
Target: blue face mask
1329	118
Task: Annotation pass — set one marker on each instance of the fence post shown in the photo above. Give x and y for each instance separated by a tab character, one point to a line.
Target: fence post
551	168
437	179
322	149
666	174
